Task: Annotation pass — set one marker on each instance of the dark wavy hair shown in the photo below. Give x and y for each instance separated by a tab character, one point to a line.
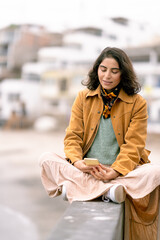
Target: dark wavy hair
129	81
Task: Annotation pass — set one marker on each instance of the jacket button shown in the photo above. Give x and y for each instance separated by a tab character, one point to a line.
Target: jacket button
119	134
98	112
114	116
92	129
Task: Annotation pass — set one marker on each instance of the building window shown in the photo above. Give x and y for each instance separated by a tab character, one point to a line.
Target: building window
13	97
31	77
63	85
142	58
157	81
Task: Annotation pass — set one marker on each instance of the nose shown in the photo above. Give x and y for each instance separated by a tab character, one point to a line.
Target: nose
107	74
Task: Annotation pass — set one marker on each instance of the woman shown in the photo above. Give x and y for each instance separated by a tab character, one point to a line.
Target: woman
108	122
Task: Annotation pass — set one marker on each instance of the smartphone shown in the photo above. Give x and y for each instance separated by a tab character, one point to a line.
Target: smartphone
91	161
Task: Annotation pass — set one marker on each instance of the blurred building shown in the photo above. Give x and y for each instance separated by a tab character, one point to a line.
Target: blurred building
32	71
55	64
19	44
20	98
111	32
79	45
82	45
146	61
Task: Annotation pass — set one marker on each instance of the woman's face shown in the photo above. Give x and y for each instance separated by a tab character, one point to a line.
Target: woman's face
109	74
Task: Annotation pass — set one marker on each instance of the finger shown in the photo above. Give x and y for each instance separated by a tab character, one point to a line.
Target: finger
96	170
101	171
103	174
94	175
87	167
98	174
104	167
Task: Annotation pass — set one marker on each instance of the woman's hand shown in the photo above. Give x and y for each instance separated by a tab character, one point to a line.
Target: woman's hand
80	164
101	172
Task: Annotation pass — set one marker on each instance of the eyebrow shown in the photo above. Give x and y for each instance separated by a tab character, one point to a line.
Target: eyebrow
106	67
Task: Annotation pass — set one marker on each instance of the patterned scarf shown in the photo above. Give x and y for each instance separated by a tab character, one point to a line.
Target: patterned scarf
109	99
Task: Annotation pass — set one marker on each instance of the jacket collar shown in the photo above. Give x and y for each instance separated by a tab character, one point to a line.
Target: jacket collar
92	93
125	97
122	95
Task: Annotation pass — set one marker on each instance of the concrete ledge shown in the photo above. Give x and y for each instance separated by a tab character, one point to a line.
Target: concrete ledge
91	220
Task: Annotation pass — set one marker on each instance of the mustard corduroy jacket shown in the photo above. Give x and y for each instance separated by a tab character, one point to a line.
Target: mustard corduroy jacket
129	120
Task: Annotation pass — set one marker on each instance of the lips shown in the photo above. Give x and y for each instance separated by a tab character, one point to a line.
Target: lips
107	82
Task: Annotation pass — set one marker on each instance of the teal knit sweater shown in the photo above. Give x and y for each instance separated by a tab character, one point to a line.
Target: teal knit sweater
104	147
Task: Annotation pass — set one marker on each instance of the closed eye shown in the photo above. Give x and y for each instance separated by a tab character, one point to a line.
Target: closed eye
115	70
103	69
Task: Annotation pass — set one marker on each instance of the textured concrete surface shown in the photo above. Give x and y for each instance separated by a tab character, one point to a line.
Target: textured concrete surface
23	201
91	220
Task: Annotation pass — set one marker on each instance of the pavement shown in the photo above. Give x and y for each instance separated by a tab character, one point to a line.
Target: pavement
26	211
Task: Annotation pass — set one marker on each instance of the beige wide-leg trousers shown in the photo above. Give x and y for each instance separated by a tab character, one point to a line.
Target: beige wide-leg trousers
141	186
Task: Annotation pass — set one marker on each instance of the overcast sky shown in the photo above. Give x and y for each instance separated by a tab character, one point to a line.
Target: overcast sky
59	14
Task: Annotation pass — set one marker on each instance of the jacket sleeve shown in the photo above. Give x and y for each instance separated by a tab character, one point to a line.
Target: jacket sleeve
133	147
75	132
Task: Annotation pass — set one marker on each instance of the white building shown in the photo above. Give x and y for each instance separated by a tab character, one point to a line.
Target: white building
15	91
115	32
82	45
146	61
